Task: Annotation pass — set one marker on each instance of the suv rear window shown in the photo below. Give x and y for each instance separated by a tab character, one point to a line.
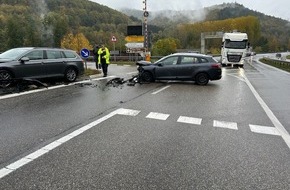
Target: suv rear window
69	54
53	54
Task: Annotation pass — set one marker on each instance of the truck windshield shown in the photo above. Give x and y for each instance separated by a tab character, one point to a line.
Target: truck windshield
236	44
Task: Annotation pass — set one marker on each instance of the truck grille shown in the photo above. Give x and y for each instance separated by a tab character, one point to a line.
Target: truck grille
234	58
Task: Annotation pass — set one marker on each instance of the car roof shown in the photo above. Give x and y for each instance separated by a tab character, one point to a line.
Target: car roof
46	48
192	54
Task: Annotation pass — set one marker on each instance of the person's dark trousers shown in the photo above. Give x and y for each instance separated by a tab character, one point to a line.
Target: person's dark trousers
105	69
98	66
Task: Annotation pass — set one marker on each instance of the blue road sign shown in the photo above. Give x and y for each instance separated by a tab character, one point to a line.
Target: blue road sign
85	53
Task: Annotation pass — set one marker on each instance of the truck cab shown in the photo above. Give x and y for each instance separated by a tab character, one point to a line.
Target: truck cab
234	49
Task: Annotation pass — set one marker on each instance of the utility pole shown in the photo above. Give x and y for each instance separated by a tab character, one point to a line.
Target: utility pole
145	15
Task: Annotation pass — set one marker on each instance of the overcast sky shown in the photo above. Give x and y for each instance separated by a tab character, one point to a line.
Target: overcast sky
277	8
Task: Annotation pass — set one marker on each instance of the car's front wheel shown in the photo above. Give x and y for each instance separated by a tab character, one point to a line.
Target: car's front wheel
70	74
147	77
5	78
202	79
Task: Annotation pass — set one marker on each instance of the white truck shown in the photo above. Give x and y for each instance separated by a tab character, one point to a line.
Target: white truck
235	48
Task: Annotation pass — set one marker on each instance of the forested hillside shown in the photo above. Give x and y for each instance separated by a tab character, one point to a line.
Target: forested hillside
46	22
58	22
274	32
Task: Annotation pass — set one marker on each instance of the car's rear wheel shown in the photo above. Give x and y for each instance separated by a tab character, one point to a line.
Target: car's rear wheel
70	74
147	77
5	78
201	78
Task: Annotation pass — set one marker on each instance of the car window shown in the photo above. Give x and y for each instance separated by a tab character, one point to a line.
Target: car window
169	61
13	53
188	60
35	55
69	54
53	54
203	60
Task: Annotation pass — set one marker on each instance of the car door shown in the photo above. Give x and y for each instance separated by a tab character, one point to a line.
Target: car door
33	68
166	68
55	64
186	67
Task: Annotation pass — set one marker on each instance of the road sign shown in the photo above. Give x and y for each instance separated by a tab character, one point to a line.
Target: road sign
114	39
134	38
85	53
134	45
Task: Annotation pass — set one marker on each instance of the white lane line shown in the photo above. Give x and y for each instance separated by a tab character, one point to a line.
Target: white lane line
189	120
284	133
38	153
132	73
159	116
51	88
156	92
225	124
264	130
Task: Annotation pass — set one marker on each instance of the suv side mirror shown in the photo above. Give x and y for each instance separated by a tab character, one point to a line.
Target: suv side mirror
24	59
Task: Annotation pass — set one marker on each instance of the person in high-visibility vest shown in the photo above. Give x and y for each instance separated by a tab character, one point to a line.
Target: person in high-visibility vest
96	56
104	59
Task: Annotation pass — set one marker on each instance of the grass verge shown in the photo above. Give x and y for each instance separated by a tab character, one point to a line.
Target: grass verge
283	65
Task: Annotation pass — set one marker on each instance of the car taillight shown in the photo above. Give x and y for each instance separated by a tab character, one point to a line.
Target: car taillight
216	65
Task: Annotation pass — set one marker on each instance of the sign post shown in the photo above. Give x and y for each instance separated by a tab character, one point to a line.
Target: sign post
85	53
114	40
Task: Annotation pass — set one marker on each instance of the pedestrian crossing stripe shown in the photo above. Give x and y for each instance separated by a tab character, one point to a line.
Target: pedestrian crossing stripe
197	121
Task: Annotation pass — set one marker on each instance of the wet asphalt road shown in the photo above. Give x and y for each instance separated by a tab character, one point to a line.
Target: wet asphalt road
230	134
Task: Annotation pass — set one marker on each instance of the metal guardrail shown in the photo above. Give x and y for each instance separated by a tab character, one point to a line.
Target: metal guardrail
281	64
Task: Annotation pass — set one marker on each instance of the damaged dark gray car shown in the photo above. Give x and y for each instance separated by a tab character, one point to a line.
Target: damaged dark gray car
181	66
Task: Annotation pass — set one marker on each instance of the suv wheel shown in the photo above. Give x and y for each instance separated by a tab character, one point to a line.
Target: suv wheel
5	78
70	74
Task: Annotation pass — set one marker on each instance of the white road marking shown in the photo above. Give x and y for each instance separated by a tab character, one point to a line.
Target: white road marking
156	92
128	112
132	73
225	124
38	153
189	120
264	130
284	133
159	116
51	88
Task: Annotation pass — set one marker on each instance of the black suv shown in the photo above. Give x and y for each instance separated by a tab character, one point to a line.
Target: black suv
39	62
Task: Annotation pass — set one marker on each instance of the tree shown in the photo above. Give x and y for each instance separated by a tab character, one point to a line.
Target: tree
15	31
75	42
165	46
